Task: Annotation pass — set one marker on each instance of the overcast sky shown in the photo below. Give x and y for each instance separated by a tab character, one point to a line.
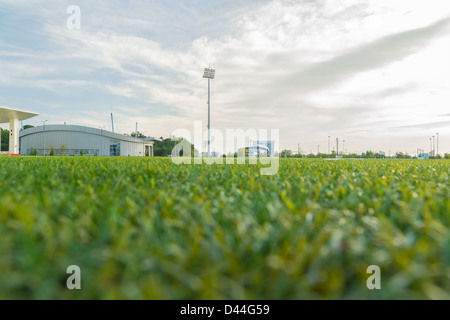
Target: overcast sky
374	72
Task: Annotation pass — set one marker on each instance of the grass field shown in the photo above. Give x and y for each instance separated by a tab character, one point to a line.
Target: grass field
143	228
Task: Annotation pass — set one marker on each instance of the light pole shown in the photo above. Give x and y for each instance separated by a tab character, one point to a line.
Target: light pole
434	147
437	141
209	74
337	147
431	147
318	151
329	144
43	151
343	147
101	139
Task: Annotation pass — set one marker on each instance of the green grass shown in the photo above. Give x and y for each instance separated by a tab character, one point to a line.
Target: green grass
148	229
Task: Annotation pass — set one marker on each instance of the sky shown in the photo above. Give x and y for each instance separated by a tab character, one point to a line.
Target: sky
375	73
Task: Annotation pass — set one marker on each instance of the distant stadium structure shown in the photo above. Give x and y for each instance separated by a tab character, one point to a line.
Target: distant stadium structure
253	151
423	156
270	145
79	140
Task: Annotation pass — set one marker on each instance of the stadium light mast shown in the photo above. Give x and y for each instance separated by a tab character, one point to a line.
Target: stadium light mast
337	147
209	74
101	143
43	151
437	143
329	144
431	147
434	147
112	122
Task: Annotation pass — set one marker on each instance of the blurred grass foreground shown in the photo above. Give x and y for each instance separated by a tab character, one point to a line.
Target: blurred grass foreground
145	228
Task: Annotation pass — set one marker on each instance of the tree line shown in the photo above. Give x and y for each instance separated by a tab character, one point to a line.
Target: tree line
5	137
164	148
366	155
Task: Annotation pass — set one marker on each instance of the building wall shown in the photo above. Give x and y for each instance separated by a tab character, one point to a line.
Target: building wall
75	138
268	144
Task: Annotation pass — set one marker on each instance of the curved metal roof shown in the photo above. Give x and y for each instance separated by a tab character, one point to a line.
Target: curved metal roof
258	147
80	129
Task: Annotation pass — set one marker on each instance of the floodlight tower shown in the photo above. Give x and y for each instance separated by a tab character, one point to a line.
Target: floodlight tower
328	144
431	148
437	141
43	152
209	74
434	147
337	147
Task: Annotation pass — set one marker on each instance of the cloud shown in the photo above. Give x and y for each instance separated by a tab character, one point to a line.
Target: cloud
426	126
366	57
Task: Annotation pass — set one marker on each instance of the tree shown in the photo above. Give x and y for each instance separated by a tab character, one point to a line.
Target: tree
401	155
5	140
139	135
369	154
62	149
286	153
164	148
52	153
33	152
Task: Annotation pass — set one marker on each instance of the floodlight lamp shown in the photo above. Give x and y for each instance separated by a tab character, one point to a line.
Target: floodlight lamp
209	73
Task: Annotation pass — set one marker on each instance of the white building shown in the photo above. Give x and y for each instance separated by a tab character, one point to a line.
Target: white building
77	140
13	116
254	151
268	144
